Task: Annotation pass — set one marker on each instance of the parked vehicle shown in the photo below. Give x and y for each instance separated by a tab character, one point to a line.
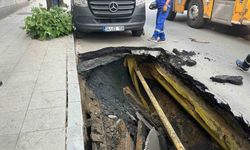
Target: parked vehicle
228	12
109	15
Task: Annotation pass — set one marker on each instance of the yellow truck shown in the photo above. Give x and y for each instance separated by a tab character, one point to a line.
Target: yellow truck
228	12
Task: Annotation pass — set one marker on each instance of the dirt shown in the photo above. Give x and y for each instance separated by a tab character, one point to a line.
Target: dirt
108	104
107	84
107	81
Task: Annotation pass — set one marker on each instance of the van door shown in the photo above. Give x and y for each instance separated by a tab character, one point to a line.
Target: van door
223	11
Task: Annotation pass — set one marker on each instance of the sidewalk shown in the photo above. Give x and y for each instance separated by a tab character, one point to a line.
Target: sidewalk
33	97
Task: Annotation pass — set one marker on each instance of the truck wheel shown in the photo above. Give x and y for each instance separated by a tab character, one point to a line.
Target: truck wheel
137	33
195	14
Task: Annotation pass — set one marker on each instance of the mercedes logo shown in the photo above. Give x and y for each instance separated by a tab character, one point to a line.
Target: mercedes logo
113	7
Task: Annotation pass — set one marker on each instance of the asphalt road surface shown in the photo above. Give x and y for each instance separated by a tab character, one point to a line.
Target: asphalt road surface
221	45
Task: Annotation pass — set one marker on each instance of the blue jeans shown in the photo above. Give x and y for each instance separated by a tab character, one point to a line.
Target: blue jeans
160	20
55	2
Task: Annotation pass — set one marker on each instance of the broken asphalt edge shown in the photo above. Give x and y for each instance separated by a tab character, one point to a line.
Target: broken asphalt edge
74	123
199	88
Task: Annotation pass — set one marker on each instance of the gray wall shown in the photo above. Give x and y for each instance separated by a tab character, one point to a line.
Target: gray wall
9	6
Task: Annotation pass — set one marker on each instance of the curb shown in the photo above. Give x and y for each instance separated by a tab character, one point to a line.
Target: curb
75	124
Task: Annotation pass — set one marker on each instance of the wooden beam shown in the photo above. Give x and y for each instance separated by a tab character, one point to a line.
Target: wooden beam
222	132
170	130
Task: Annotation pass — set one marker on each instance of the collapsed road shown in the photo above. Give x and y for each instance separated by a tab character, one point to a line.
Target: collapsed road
119	113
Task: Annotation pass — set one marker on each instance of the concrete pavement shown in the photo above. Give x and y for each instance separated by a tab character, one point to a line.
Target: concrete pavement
36	109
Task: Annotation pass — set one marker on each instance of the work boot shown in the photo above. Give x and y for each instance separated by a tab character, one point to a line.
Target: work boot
161	40
162	37
153	39
242	65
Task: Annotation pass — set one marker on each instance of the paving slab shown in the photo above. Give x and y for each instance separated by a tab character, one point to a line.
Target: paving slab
44	119
11	122
42	140
13	103
48	100
8	142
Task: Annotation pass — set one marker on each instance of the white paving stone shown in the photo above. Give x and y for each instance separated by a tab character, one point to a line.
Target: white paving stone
8	142
44	119
11	122
34	92
12	103
42	140
74	94
48	100
75	114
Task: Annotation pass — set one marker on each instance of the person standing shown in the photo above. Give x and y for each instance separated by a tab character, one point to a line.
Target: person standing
163	10
244	65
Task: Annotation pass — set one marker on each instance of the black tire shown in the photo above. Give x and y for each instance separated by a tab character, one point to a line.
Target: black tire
197	21
171	15
137	33
78	34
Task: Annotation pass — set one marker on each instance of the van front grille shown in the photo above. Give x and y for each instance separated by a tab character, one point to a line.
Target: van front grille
112	8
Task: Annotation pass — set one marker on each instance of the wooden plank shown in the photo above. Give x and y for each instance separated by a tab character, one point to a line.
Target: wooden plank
170	130
141	136
204	114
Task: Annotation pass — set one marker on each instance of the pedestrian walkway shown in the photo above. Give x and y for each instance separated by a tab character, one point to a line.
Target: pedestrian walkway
33	97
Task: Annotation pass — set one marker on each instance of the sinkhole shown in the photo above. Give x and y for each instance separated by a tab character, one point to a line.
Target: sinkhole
141	98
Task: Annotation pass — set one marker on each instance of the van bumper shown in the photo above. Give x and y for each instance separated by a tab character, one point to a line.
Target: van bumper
85	21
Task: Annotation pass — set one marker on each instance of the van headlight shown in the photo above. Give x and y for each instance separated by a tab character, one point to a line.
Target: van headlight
82	3
140	2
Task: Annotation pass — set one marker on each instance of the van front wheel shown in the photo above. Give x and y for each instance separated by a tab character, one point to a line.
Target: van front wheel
195	14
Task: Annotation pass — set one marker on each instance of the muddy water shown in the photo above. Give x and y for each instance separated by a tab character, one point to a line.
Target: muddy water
107	83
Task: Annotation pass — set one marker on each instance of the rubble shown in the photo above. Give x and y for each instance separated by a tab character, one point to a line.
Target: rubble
183	58
209	59
237	80
152	142
194	40
112	117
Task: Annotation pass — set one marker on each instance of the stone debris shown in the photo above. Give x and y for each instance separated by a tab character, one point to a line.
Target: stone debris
152	142
209	59
1	83
237	80
183	58
112	116
194	40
